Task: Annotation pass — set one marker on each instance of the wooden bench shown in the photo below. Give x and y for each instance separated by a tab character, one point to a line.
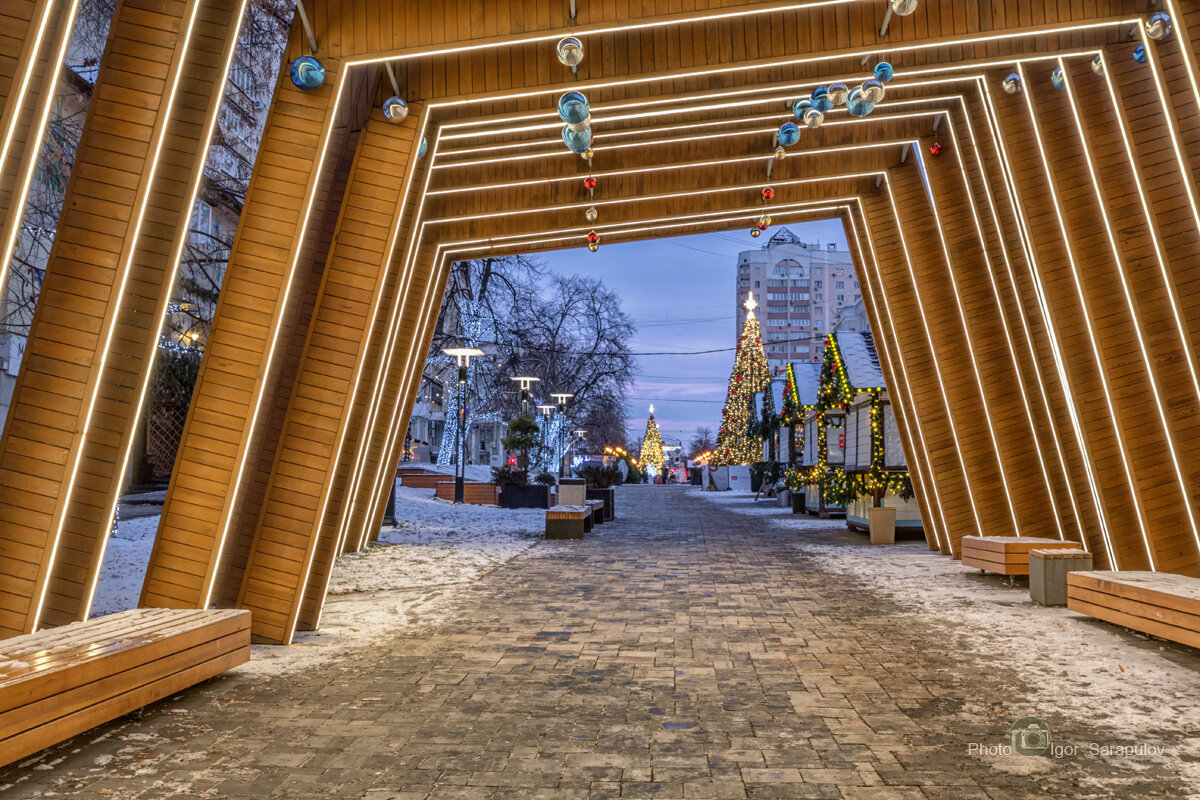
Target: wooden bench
60	682
422	480
1006	555
486	494
1158	603
568	522
597	507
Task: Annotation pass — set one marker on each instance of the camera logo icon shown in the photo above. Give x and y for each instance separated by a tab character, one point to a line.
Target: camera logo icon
1030	736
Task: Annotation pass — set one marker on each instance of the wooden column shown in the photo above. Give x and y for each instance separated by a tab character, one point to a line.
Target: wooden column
293	554
216	449
76	397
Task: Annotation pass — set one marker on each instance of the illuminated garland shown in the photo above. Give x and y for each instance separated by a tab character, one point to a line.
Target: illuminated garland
652	450
750	374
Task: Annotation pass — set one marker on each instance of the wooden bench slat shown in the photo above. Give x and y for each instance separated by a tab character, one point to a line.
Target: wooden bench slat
1160	604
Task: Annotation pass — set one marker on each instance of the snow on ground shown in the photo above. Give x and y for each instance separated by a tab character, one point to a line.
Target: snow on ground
125	560
1073	667
472	472
412	576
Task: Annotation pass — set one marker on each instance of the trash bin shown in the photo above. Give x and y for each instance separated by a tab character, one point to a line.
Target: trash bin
1048	570
572	492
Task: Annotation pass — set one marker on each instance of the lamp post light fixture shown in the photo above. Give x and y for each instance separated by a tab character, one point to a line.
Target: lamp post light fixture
463	356
526	382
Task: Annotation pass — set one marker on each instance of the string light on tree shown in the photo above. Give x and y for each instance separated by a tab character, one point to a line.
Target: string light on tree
751	374
652	449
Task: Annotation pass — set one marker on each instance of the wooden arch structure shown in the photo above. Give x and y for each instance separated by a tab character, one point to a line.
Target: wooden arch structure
1034	290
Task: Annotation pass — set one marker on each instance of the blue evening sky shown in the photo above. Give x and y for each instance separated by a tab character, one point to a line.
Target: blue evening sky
680	293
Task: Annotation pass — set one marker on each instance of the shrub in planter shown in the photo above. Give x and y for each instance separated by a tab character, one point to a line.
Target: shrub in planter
509	476
600	477
545	479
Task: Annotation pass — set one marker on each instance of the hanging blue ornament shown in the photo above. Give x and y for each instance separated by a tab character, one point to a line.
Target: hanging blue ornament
884	71
395	109
820	99
1139	54
1058	79
307	73
856	103
573	108
800	106
577	141
789	134
423	148
1012	83
1158	27
1098	64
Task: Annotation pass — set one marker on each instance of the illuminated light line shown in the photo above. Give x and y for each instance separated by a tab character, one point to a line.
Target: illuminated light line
559	152
928	483
387	346
670	167
933	350
1026	239
1185	48
33	146
660	78
966	331
1131	485
1152	226
227	511
176	259
1000	238
763	94
1136	317
958	41
145	190
1001	318
376	302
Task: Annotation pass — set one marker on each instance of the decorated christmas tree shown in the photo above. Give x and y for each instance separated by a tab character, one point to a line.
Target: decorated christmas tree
735	445
652	451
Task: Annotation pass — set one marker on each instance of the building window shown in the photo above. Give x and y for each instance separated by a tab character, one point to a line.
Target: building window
840	285
756	283
777	296
818	297
817	284
802	283
841	298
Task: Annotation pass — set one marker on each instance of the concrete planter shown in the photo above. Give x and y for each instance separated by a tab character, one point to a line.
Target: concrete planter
784	497
883	525
524	496
797	502
608	496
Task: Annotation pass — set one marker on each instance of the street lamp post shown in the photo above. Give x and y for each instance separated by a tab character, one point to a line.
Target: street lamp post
526	383
462	356
560	399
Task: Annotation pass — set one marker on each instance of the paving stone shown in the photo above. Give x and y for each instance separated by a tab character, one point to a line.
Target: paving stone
681	651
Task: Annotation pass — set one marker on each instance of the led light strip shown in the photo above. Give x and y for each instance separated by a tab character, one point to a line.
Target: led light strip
1119	262
33	146
1043	31
145	190
1026	239
176	259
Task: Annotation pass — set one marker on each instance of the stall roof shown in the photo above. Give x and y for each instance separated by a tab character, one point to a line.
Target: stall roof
808	381
861	360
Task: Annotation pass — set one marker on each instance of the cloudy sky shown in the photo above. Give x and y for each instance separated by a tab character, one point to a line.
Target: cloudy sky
680	293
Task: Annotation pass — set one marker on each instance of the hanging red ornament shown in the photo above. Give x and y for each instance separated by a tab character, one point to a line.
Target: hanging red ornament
768	193
593	237
589	182
935	149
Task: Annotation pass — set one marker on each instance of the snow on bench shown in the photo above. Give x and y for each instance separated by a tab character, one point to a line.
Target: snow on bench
1158	603
1006	555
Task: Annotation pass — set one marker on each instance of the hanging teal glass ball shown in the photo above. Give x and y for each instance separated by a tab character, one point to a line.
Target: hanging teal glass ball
820	99
884	71
577	141
789	134
1058	79
813	118
573	108
873	91
800	106
395	109
1098	64
1139	54
1012	83
837	93
1159	26
307	73
856	103
423	148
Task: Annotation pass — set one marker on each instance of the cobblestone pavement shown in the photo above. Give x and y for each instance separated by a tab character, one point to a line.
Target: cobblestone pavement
680	652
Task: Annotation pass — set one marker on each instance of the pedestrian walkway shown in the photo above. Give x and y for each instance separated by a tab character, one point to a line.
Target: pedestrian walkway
682	651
